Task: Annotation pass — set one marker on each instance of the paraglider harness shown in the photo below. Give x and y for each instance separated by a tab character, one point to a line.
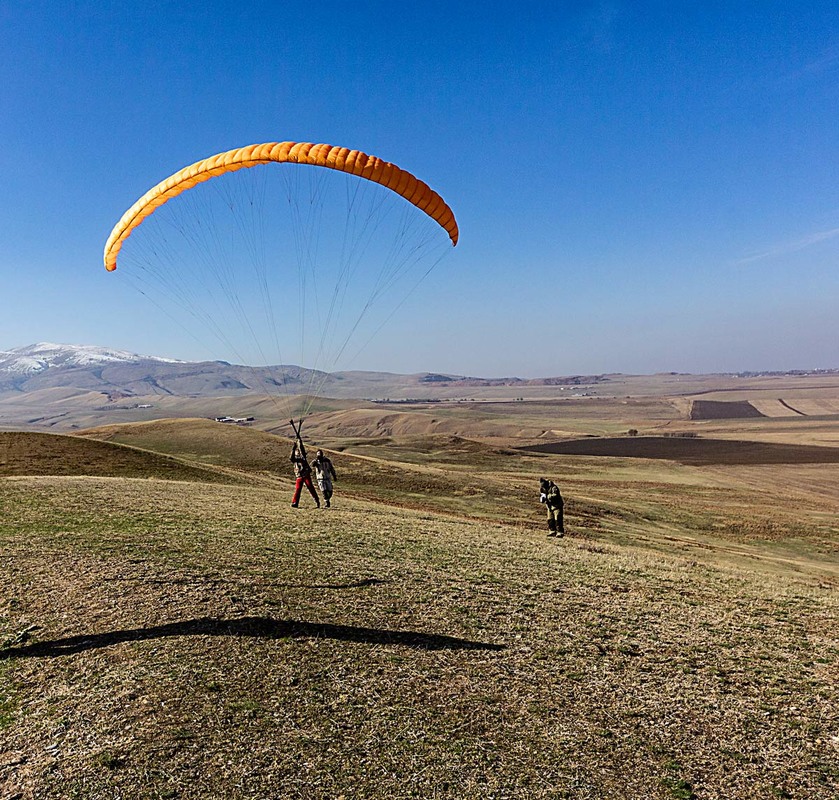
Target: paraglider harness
301	468
550	494
552	498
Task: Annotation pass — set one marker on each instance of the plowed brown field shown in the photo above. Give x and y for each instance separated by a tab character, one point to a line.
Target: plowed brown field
692	450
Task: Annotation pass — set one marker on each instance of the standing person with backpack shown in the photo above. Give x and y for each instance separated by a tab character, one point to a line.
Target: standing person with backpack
324	474
551	497
303	473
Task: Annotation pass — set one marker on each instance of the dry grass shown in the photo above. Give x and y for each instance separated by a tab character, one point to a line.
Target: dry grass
25	453
187	639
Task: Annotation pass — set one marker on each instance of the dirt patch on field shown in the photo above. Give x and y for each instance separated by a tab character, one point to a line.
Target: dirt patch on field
692	451
723	409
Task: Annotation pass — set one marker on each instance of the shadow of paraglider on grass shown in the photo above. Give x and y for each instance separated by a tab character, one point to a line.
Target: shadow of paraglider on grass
254	627
362	583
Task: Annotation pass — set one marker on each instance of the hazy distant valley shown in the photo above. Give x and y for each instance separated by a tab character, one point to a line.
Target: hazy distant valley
65	387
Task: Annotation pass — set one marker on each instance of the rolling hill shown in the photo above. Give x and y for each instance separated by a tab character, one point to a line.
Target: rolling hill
28	453
165	631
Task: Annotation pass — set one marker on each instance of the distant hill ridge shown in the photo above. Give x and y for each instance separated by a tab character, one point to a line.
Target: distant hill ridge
119	373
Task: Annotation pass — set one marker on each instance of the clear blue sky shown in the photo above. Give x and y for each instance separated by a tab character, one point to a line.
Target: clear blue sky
640	187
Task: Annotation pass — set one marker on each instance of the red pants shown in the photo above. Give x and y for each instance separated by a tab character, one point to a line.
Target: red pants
298	487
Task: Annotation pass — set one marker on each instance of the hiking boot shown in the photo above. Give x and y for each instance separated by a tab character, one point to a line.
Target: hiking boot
294	505
327	503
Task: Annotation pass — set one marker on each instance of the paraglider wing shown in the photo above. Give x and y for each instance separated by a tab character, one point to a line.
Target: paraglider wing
320	155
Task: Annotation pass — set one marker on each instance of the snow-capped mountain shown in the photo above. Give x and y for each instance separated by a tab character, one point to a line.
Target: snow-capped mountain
118	373
37	358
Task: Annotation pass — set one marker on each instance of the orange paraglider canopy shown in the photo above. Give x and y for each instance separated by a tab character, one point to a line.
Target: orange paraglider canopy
320	155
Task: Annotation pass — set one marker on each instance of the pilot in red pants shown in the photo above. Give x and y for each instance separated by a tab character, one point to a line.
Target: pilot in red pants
304	476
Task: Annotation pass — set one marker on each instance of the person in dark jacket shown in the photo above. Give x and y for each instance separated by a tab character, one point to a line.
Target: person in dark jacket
324	475
303	473
551	497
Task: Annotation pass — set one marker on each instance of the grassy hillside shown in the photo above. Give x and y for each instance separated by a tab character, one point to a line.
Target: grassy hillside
25	453
189	638
202	441
197	640
474	481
